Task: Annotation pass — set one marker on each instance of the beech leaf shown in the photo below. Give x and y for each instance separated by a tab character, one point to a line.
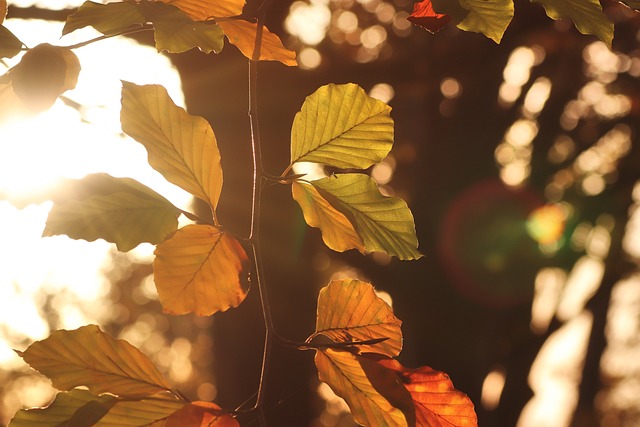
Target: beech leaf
633	4
490	18
350	310
108	18
118	210
375	394
3	10
242	34
198	269
181	147
424	16
200	414
89	357
337	232
383	223
436	401
10	45
587	16
200	10
342	126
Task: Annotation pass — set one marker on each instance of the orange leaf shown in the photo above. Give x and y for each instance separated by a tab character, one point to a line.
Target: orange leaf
437	402
200	10
350	310
242	34
3	10
200	414
424	16
197	270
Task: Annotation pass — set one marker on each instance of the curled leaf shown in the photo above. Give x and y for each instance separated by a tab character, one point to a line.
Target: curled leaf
490	18
424	16
242	34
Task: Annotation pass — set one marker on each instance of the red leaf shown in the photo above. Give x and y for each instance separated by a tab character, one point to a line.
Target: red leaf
201	414
437	402
424	16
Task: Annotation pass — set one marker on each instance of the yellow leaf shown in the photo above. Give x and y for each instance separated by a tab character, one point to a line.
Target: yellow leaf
197	270
89	357
350	310
242	34
375	395
181	147
337	232
200	10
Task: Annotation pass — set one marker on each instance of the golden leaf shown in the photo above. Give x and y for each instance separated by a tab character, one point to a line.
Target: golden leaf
242	34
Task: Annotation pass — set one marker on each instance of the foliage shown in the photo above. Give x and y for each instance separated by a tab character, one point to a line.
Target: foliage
202	267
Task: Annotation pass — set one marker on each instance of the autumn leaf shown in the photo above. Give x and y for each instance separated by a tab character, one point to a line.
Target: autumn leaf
200	10
341	126
383	223
181	147
89	357
337	232
350	310
375	394
242	34
197	270
10	45
109	18
436	401
587	16
200	414
43	74
424	16
633	4
3	10
490	18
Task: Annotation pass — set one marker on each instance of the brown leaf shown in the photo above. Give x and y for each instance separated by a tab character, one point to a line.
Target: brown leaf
197	270
424	16
242	34
3	10
200	414
200	10
437	402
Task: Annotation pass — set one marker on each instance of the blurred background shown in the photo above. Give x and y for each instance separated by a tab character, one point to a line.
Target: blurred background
520	162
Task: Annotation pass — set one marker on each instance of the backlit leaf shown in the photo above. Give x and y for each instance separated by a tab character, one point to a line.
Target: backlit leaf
437	402
633	4
587	16
118	210
200	414
375	394
197	270
424	16
350	310
108	18
181	147
3	10
200	10
242	34
10	45
383	223
490	18
337	232
89	357
341	126
79	408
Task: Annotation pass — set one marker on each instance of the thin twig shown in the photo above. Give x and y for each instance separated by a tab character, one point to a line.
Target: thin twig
137	29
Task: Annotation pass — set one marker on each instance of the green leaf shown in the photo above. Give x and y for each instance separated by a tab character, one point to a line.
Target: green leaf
118	210
181	147
490	18
175	32
89	357
10	45
383	223
349	310
109	18
341	126
587	16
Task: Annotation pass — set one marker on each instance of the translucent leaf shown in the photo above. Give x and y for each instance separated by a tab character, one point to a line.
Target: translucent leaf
350	310
341	126
424	16
375	394
633	4
107	18
118	210
337	232
181	147
200	10
200	414
10	45
79	408
89	357
490	18
242	34
43	74
198	271
383	223
587	16
437	402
